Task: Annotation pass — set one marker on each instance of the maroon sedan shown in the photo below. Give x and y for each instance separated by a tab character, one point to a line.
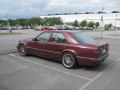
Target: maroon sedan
70	47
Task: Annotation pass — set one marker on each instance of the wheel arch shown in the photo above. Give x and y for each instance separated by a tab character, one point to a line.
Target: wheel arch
25	52
74	54
22	43
70	51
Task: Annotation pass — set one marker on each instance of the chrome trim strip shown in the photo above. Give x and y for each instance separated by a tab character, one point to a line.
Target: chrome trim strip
85	57
53	52
105	55
36	49
44	50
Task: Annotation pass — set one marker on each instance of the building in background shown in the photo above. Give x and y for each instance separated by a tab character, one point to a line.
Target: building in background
108	18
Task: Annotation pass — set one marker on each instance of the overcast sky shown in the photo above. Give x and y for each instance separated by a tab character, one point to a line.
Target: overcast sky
35	8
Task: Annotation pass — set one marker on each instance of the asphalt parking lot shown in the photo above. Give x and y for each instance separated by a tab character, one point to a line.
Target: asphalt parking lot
36	73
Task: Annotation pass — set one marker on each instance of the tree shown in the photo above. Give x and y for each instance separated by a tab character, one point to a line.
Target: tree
53	21
3	22
69	23
75	23
91	24
12	22
33	21
83	23
21	22
97	24
107	26
110	25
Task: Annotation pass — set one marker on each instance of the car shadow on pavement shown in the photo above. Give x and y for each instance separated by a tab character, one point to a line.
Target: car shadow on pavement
45	59
98	68
101	67
2	87
54	61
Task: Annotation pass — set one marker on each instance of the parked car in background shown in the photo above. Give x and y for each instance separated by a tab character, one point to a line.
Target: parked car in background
4	28
70	47
53	28
77	28
71	28
37	28
46	28
19	27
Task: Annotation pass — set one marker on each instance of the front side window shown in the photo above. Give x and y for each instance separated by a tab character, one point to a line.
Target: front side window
44	37
58	38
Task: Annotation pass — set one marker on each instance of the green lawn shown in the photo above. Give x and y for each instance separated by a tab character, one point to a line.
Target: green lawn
7	33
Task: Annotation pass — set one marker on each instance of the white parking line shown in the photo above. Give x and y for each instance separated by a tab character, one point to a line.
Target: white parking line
51	67
10	44
84	86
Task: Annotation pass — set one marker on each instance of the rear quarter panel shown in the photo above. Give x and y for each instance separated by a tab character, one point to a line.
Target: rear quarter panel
80	50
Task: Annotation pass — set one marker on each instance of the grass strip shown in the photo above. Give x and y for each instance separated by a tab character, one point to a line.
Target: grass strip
6	33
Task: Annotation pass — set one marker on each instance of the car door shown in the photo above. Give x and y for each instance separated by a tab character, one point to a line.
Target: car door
56	46
39	45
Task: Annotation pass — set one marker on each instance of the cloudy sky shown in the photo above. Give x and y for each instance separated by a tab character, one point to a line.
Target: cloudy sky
35	8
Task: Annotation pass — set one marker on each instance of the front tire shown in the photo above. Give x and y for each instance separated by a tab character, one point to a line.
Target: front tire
69	60
22	50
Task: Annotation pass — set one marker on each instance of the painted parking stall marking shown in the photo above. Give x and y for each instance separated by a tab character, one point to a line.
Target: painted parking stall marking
81	77
90	81
84	86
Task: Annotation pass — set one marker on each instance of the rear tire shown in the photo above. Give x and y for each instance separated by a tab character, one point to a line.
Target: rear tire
22	50
69	60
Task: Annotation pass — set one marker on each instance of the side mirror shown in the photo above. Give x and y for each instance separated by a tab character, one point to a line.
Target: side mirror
34	39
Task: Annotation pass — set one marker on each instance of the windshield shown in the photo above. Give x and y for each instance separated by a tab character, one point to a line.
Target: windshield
82	38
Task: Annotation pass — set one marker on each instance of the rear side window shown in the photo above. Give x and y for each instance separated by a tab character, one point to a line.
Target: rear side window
82	38
58	38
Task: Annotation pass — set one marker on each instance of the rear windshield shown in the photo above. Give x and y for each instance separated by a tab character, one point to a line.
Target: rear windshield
83	38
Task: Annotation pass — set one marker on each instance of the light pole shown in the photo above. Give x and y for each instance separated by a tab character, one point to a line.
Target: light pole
116	24
101	22
10	31
44	21
116	20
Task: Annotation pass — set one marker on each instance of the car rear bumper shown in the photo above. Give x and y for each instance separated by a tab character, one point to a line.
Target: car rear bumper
84	61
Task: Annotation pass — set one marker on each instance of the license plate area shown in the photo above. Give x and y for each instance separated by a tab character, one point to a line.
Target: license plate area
103	51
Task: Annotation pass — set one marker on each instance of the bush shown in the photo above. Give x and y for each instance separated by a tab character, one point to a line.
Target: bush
91	24
75	23
83	23
107	26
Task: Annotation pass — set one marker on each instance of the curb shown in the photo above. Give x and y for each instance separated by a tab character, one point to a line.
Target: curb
112	37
